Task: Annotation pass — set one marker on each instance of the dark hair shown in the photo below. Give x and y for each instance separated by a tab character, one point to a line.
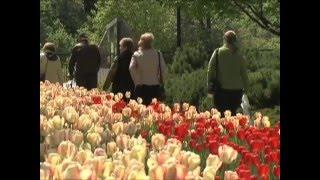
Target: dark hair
83	35
128	43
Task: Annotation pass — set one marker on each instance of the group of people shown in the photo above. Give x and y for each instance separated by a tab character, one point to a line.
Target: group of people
142	72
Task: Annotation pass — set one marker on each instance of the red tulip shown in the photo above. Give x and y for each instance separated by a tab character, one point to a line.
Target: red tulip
253	177
241	134
217	178
256	145
216	130
181	131
232	133
230	126
276	171
192	144
145	134
274	156
213	124
244	173
243	121
213	146
200	131
224	139
194	135
108	97
274	142
201	121
199	147
267	149
96	99
264	170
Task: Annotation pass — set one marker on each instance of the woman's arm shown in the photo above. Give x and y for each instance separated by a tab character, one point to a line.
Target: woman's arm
111	74
133	69
211	73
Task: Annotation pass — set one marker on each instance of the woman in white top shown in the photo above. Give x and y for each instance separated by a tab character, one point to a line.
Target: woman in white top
50	65
146	67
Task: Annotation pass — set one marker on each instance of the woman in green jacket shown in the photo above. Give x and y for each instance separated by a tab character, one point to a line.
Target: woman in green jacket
227	76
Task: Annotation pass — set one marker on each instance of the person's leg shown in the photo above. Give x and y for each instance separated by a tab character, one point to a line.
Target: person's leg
219	102
235	101
91	82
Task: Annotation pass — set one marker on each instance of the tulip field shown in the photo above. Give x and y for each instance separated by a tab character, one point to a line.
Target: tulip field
97	135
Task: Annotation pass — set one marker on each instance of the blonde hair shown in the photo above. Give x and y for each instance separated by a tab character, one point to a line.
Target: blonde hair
146	40
128	43
49	47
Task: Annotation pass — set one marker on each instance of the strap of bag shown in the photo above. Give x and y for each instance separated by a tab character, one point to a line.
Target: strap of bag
160	73
217	63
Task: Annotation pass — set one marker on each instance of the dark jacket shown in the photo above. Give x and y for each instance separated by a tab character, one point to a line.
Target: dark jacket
119	74
86	59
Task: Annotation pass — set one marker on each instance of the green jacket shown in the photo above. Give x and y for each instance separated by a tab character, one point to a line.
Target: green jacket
232	70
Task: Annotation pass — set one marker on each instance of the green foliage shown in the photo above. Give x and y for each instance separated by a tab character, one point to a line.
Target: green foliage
142	16
60	37
189	87
189	58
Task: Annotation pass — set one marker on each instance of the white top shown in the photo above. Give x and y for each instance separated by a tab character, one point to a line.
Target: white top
144	67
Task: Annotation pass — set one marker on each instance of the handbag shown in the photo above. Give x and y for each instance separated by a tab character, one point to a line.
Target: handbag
43	76
216	86
162	94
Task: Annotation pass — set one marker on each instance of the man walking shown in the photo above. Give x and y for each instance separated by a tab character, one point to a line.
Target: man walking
84	63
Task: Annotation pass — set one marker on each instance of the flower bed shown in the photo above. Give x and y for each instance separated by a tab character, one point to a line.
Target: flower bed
99	135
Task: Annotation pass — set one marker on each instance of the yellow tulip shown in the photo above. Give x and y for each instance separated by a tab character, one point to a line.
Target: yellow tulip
83	156
76	137
158	141
70	114
94	139
227	154
111	148
67	149
214	161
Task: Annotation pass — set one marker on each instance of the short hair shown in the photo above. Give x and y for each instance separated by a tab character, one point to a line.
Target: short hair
128	43
146	40
230	37
83	35
49	46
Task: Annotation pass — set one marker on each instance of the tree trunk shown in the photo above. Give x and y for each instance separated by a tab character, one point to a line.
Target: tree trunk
208	19
178	26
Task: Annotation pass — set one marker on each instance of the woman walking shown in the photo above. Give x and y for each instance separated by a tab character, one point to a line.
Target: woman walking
147	68
227	75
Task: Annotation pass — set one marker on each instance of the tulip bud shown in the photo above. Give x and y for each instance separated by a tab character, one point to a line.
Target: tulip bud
265	122
158	141
70	114
193	161
128	94
83	156
53	159
57	122
67	149
76	137
111	148
84	122
227	154
117	128
214	161
94	139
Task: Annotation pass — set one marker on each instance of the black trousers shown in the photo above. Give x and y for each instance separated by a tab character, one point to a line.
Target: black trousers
87	81
147	93
228	100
